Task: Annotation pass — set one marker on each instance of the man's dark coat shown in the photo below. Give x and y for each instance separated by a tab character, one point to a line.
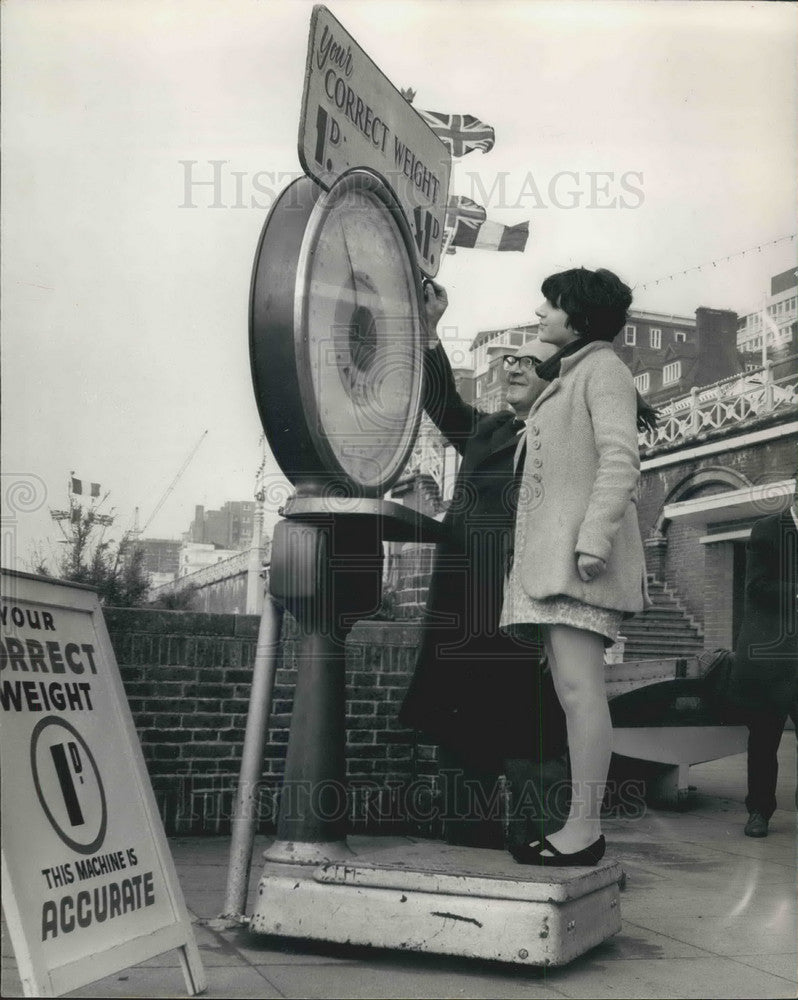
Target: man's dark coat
476	690
765	674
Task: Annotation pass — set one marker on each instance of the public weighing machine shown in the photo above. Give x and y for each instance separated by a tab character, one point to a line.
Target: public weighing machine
337	333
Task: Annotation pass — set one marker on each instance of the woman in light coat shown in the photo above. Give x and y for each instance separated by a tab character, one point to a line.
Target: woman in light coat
578	566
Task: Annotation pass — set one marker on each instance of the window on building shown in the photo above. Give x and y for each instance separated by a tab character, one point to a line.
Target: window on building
479	389
630	335
655	337
679	337
516	339
642	382
672	373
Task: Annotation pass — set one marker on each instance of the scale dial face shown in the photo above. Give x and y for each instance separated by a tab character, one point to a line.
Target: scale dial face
359	328
337	333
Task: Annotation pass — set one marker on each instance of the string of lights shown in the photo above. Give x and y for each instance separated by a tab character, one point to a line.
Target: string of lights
714	263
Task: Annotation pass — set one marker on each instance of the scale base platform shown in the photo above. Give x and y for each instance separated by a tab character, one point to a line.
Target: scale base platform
427	896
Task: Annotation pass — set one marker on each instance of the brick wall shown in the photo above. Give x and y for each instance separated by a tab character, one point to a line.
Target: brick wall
414	567
702	575
759	464
187	677
685	562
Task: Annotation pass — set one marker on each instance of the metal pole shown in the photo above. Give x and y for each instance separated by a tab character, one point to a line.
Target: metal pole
244	811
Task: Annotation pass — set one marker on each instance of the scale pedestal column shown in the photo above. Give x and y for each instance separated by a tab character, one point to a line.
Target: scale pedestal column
326	571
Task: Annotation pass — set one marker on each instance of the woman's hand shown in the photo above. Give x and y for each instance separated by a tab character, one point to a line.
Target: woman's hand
436	302
589	567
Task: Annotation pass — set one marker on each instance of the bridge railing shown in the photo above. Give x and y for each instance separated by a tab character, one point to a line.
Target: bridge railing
731	401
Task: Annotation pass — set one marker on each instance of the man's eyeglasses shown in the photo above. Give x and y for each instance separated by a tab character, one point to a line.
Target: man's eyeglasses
525	363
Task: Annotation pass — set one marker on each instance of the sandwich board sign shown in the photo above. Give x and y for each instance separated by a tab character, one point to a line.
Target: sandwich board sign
89	885
353	116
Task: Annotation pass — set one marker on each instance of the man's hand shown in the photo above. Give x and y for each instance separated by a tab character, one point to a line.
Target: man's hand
589	567
436	302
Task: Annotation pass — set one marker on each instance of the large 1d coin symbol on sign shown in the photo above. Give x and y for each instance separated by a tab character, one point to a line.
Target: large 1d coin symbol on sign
68	784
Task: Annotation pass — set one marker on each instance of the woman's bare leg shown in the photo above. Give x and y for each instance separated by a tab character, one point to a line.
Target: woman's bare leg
577	665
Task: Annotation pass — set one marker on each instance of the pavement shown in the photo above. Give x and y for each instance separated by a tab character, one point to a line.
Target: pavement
706	912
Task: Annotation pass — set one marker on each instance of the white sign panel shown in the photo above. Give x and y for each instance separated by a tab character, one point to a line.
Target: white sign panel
353	116
89	885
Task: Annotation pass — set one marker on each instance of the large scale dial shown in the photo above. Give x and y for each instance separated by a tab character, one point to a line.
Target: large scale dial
336	330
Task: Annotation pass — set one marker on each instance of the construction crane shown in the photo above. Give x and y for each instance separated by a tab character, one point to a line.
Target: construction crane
172	485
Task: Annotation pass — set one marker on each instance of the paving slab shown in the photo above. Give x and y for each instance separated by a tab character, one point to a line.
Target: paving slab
765	932
785	965
383	976
214	950
635	942
168	982
699	978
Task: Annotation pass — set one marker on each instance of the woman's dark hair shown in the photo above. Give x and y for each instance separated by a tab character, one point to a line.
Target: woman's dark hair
596	301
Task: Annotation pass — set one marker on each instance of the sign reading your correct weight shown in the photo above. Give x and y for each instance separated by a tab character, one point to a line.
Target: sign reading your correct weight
88	882
353	116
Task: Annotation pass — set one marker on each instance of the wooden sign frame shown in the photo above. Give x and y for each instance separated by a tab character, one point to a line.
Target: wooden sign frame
79	818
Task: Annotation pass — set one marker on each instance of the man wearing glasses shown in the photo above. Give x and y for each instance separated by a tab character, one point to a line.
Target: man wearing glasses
473	691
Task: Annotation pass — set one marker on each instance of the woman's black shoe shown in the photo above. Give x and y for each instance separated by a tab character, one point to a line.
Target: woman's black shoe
530	854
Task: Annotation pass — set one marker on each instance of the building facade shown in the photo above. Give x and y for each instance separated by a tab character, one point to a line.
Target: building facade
771	330
161	559
222	580
669	355
228	528
197	555
723	457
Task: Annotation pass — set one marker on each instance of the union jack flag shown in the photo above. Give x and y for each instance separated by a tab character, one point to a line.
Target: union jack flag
459	207
463	219
460	133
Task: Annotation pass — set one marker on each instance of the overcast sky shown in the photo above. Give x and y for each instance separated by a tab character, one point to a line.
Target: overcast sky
125	293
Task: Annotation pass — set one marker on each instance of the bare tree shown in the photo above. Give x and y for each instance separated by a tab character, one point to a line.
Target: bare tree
115	570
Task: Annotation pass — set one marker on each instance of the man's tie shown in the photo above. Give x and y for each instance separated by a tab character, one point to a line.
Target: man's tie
519	427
